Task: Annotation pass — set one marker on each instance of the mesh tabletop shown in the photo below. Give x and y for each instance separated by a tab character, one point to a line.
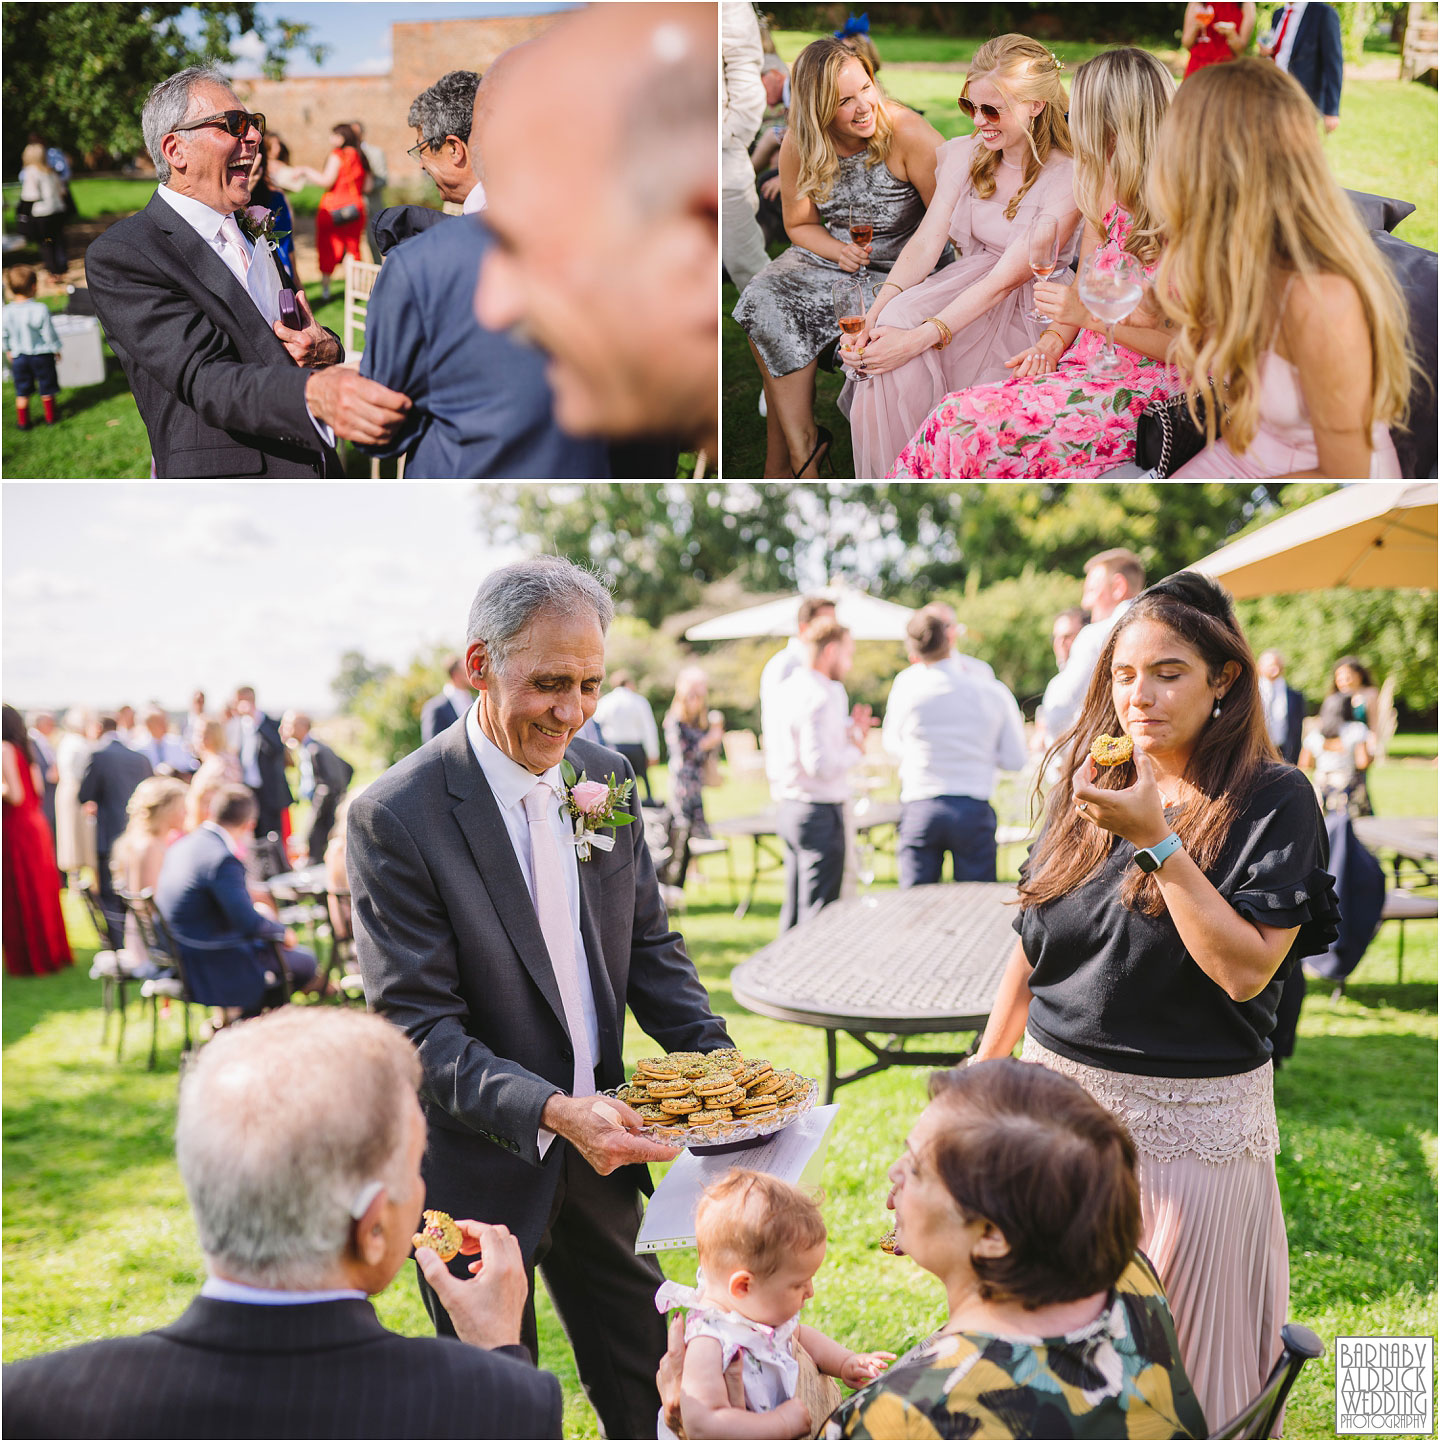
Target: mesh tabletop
926	959
1409	835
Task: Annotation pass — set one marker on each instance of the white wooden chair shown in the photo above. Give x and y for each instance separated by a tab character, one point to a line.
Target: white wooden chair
360	278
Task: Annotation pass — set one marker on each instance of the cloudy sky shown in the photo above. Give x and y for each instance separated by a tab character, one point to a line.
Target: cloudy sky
357	32
127	592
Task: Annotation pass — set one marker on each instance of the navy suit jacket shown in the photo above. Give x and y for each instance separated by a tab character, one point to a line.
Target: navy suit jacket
1317	60
219	394
111	775
321	1369
1294	725
224	942
481	403
438	714
271	757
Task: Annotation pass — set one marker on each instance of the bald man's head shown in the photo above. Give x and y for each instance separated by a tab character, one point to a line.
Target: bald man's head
603	191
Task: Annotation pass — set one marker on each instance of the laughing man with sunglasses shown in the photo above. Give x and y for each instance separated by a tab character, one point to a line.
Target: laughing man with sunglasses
190	299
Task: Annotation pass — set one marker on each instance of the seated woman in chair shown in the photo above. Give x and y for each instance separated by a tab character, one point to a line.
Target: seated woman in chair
157	816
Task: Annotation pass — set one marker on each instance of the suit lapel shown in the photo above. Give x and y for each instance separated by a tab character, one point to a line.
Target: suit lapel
607	1013
215	278
480	822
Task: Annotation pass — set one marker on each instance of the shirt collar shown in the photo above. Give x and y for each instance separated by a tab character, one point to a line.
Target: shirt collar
224	835
475	201
221	1289
201	218
510	782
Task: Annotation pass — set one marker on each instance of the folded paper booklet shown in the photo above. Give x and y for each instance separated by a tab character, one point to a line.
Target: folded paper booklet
795	1155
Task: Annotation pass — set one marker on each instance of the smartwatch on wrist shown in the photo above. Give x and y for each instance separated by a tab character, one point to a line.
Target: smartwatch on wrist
1152	858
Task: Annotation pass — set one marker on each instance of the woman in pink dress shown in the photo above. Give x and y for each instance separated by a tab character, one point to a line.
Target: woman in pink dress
924	337
1058	415
1274	287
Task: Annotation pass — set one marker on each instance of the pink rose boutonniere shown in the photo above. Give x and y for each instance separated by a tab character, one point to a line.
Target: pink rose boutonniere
258	223
593	804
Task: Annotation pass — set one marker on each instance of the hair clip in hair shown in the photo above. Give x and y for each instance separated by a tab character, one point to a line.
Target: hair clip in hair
1059	63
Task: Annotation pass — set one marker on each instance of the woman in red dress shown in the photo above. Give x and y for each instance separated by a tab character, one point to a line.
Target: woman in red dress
33	927
1216	30
340	223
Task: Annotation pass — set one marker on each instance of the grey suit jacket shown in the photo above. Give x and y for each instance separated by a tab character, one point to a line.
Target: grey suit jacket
451	951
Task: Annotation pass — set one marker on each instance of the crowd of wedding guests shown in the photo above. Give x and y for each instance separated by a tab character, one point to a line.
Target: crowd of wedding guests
113	800
1249	313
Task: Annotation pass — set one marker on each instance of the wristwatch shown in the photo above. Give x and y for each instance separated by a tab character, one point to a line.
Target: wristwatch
1152	858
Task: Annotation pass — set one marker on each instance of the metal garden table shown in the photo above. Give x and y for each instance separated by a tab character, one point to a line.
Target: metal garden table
894	964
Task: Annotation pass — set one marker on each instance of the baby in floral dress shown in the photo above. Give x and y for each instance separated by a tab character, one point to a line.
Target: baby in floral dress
761	1241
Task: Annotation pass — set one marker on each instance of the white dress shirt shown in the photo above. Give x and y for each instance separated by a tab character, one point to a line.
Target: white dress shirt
1065	694
460	700
951	729
1287	47
809	744
510	783
1275	698
778	668
475	201
260	280
244	736
222	1289
627	720
169	750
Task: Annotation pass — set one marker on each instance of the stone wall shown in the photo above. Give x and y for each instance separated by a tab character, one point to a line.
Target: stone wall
302	109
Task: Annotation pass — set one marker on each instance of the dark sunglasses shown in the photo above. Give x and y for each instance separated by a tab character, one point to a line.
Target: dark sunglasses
990	112
234	122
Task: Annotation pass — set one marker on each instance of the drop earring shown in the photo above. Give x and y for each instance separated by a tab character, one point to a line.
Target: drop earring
1216	711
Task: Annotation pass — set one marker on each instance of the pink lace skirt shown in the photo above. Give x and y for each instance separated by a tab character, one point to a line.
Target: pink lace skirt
1212	1220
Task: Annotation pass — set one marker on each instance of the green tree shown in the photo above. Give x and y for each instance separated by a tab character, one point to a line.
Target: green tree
388	708
354	675
79	73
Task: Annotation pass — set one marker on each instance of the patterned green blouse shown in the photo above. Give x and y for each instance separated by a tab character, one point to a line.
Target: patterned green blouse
1119	1376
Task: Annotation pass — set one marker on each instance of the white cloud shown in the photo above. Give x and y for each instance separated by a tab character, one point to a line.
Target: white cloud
372	65
249	52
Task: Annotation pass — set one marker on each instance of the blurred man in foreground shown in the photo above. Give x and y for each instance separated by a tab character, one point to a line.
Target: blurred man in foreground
604	199
304	1212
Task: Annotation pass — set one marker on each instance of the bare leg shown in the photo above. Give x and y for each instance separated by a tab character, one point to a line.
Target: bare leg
790	430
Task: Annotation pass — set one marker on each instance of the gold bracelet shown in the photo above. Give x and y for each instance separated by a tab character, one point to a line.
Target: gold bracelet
884	283
946	334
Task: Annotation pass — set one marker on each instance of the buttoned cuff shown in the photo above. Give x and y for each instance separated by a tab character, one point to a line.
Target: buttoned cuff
326	433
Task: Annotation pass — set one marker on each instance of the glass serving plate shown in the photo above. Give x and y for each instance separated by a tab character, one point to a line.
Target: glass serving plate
732	1136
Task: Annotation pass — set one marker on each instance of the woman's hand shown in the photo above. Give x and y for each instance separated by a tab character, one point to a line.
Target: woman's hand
1037	361
889	348
1061	302
1137	812
853	256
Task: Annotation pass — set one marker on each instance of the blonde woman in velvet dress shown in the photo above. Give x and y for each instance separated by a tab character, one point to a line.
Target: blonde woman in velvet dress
925	338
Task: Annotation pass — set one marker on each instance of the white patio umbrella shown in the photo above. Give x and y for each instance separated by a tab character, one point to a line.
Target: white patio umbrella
1374	534
867	617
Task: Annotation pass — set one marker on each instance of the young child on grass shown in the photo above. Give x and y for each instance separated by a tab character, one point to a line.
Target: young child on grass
31	346
761	1241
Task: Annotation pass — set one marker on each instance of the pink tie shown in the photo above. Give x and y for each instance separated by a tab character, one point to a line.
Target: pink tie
556	926
230	229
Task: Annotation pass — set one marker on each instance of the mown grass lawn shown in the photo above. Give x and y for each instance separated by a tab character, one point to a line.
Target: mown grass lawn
1386	145
98	1241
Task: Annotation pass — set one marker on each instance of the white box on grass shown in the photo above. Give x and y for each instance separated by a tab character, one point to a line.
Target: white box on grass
81	361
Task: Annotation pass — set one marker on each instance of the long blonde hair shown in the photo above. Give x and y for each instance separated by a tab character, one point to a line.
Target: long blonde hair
1240	185
691	688
814	101
1022	70
1117	104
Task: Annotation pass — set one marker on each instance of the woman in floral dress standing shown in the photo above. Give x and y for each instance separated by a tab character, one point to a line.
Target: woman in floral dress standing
1057	415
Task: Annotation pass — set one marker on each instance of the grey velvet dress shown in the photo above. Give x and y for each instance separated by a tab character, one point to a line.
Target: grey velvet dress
786	310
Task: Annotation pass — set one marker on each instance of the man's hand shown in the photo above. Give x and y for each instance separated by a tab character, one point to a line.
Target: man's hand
672	1367
602	1131
290	941
1332	124
487	1309
312	345
792	1419
359	409
91	808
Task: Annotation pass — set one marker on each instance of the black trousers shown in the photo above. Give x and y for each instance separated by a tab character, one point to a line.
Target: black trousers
636	756
814	837
326	802
604	1293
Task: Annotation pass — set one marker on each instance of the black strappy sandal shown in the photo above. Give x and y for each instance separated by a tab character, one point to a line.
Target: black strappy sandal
823	444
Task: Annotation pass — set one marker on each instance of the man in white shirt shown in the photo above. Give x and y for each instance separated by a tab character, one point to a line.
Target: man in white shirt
945	614
793	657
166	753
627	725
441	712
442	117
1304	40
814	742
1283	705
1112	581
950	729
1067	626
191	306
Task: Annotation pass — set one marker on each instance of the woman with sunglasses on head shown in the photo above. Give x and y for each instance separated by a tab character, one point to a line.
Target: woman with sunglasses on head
1065	412
340	221
926	337
1169	897
850	155
1276	292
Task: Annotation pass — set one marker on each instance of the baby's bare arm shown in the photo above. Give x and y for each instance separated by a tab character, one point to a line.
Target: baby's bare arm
853	1368
706	1408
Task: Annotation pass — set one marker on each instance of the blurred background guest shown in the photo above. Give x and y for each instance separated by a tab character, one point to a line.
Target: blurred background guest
377	177
264	192
194	723
340	221
693	734
74	826
1304	40
34	927
219	766
162	748
324	777
742	245
1215	31
283	175
1284	706
1338	749
443	711
112	772
157	817
255	738
1351	677
628	724
42	733
45	192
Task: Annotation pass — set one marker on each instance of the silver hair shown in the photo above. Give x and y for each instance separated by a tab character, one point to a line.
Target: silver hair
510	599
166	105
446	108
271	1181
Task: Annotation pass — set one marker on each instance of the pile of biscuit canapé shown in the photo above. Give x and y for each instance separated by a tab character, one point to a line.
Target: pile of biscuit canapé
711	1089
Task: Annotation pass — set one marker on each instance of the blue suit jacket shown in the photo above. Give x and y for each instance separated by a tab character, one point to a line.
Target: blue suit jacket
437	715
481	403
223	940
1317	60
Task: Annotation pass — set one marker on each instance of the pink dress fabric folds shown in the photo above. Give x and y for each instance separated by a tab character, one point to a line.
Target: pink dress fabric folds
886	410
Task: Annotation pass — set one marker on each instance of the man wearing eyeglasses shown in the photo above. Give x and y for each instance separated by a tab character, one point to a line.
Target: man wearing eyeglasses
191	305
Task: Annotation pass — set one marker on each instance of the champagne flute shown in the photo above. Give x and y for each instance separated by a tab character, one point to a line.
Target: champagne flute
1204	14
1043	253
1111	287
862	232
848	296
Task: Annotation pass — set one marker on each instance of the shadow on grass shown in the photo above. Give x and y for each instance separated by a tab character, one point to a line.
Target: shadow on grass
29	1000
